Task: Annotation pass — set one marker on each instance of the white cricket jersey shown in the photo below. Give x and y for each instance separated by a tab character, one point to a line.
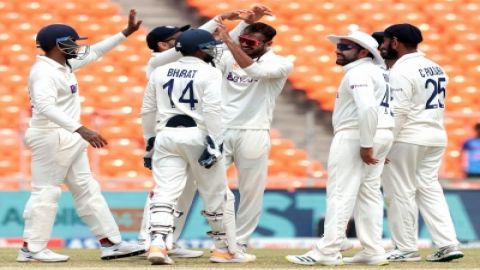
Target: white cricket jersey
249	94
54	91
419	87
363	101
190	87
170	55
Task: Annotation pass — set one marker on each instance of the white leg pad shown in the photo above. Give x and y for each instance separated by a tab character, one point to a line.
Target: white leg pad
39	216
94	211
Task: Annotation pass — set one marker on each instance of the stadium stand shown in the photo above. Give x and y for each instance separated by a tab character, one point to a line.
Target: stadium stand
112	89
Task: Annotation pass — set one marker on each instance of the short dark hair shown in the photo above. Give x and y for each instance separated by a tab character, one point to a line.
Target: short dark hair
266	30
477	126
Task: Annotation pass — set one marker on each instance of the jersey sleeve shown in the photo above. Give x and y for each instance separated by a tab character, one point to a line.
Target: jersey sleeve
162	58
97	50
43	97
362	89
149	109
269	69
212	105
402	92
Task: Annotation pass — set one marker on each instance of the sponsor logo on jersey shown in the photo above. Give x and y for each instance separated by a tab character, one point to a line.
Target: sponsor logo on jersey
240	79
353	86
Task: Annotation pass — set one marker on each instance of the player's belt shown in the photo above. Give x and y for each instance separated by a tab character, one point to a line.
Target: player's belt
181	120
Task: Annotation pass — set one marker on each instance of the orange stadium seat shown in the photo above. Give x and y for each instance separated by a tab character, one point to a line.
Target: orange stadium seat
113	88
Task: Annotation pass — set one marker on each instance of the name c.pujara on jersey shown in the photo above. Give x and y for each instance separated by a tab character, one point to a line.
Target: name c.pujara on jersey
182	73
430	71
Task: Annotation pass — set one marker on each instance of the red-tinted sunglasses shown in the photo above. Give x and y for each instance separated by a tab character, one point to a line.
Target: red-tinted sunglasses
249	41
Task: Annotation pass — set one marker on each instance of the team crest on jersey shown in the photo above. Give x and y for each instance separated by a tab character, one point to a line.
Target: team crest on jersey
73	88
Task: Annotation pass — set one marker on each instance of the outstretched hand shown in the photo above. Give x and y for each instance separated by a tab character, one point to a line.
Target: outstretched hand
257	12
239	14
133	24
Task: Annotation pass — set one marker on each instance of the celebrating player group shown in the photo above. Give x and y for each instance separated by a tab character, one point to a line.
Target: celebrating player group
209	103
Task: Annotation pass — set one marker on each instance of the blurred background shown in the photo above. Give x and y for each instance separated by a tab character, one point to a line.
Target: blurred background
112	92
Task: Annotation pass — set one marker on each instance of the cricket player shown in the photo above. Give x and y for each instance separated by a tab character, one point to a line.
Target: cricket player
182	110
363	128
419	86
161	41
253	77
58	142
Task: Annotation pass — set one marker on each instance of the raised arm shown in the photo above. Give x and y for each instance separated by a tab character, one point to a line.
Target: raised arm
99	49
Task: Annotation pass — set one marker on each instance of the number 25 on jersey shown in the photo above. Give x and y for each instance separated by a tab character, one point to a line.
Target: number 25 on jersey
436	99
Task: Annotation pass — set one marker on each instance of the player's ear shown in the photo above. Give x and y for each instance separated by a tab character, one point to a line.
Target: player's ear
163	45
269	43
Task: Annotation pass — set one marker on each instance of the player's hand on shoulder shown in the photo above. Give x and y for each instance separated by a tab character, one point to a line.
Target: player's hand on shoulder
133	24
92	137
366	153
212	153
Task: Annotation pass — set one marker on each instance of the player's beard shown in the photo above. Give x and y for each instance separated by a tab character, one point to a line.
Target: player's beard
209	59
389	53
344	60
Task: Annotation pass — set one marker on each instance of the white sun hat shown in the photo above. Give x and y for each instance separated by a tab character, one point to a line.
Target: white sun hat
364	40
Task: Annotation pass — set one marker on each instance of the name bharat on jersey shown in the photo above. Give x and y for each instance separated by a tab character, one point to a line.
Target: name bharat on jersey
182	73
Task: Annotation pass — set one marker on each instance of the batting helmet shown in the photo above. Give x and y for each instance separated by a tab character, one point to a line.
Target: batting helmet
195	39
50	35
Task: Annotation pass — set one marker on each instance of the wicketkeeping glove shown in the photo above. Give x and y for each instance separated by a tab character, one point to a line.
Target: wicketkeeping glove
211	154
147	158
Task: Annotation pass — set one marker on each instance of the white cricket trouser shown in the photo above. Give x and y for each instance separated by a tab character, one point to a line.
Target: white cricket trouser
249	150
351	183
58	156
183	205
176	155
411	181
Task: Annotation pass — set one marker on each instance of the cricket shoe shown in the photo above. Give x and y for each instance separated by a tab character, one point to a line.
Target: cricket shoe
44	255
223	256
315	257
179	252
158	255
346	245
446	254
363	258
397	255
121	250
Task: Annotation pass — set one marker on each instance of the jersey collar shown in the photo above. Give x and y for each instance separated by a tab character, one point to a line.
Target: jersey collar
408	56
357	63
51	62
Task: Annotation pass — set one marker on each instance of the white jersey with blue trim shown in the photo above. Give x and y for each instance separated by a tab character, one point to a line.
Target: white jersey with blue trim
363	101
249	94
190	87
419	88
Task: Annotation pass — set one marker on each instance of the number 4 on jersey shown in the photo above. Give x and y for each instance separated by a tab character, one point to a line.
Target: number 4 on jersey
183	99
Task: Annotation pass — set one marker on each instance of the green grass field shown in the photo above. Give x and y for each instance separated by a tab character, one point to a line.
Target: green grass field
266	259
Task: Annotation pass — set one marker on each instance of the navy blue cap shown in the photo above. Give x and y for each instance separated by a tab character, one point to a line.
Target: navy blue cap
190	41
162	33
378	36
48	36
405	33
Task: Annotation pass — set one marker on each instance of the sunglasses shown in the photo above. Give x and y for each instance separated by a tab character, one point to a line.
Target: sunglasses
345	47
249	41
